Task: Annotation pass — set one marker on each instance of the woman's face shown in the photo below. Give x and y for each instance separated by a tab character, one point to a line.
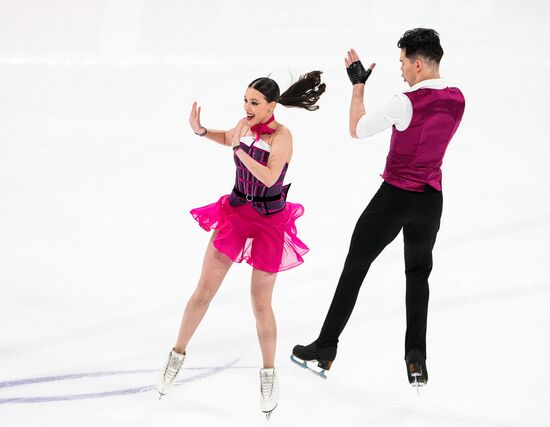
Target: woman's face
257	109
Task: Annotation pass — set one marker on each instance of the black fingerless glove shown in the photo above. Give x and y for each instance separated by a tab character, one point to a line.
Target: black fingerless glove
357	73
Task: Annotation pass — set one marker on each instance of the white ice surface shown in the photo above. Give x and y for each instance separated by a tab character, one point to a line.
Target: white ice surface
98	254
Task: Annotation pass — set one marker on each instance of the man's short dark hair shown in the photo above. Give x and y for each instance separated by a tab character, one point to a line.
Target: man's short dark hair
423	42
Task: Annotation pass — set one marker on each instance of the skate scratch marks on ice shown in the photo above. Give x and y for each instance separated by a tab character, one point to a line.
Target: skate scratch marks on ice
121	392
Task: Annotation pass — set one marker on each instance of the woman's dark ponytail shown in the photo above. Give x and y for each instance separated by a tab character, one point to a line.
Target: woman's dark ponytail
303	94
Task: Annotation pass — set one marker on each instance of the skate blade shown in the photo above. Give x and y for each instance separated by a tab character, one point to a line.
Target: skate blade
161	394
268	413
417	384
303	364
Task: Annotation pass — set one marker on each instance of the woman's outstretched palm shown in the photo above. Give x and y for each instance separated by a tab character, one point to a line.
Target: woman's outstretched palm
195	119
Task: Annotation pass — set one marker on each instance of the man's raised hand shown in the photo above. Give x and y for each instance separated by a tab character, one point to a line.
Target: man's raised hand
356	72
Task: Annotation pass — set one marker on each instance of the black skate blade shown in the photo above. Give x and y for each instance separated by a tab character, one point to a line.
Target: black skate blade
303	364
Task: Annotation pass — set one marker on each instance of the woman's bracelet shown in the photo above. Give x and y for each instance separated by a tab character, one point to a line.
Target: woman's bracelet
202	134
236	147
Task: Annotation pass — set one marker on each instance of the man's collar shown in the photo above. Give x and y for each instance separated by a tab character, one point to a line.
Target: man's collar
429	83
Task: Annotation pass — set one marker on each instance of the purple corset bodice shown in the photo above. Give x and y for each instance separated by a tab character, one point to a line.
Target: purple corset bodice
248	189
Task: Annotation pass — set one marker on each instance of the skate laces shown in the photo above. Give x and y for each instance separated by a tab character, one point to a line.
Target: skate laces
173	367
266	383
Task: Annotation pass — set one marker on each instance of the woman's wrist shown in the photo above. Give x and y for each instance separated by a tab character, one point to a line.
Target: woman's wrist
202	133
236	148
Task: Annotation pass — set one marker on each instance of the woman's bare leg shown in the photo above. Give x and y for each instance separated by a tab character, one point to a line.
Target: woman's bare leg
261	292
214	268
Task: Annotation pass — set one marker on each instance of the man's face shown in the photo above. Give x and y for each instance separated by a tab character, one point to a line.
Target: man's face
408	68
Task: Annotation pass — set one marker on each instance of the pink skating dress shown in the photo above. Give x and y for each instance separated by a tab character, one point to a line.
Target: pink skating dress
255	223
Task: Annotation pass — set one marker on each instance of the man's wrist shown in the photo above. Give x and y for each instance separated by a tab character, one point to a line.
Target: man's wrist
358	91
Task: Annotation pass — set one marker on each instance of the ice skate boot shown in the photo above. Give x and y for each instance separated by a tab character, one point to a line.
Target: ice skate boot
269	391
416	369
324	356
169	372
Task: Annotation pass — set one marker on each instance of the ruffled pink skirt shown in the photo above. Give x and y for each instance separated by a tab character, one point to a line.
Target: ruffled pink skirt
266	242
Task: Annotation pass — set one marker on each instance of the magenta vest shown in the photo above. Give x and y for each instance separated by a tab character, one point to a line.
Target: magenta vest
416	154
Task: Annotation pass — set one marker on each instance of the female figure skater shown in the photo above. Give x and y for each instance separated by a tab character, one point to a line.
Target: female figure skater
254	222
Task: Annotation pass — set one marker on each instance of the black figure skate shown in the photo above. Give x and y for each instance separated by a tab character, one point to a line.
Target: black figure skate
416	369
324	356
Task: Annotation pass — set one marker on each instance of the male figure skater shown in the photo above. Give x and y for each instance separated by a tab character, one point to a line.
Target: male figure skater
423	121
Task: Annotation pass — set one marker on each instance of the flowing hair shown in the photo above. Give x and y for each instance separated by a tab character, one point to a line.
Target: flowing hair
304	93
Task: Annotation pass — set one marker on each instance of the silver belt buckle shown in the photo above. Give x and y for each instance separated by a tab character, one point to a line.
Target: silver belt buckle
249	197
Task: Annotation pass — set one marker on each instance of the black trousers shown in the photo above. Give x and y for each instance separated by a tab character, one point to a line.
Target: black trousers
389	211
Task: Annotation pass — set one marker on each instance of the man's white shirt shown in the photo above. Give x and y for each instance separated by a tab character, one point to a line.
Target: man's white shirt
397	111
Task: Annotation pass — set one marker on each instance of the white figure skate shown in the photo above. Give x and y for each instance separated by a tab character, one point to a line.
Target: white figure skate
169	372
269	391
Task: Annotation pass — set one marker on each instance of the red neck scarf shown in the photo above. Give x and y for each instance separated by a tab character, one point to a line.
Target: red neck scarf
262	128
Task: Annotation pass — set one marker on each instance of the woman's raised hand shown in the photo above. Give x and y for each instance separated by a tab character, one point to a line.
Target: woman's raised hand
195	119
